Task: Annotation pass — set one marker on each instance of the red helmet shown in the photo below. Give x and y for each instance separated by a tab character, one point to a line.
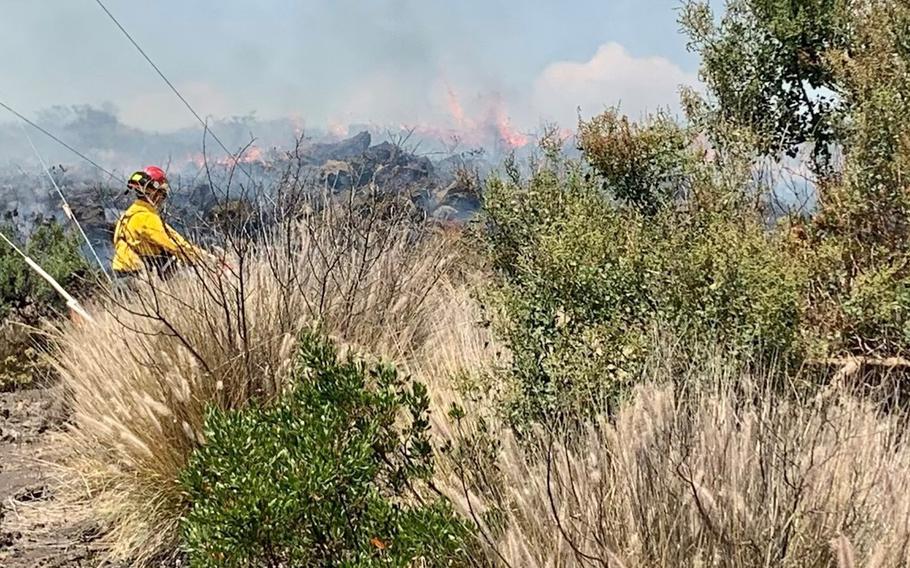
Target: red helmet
150	178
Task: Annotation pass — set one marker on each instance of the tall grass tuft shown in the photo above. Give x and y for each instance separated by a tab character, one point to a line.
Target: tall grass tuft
731	470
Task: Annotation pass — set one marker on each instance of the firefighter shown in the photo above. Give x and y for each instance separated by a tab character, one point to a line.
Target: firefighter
142	240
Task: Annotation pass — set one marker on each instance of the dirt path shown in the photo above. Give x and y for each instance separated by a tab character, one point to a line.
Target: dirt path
36	530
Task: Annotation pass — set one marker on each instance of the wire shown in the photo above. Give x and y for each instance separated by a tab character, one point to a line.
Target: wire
55	139
66	206
173	88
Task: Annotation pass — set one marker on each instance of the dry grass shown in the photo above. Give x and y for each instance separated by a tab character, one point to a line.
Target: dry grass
140	380
729	473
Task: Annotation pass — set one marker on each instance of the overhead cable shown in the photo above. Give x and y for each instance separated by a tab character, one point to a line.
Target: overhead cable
172	87
66	206
55	139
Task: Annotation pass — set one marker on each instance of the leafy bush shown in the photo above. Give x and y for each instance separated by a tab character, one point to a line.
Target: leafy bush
324	477
20	359
646	165
827	77
25	298
54	249
876	313
582	282
727	280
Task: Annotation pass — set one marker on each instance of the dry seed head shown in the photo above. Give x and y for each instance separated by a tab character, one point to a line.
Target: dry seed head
87	422
188	431
184	389
150	415
124	455
158	407
127	436
843	551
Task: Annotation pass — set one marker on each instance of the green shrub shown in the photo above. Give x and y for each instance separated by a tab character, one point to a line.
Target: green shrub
876	314
646	165
54	249
728	280
25	298
823	81
59	252
21	362
581	282
328	475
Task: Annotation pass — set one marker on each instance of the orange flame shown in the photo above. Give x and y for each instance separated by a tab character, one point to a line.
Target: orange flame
454	106
251	155
337	129
474	132
511	137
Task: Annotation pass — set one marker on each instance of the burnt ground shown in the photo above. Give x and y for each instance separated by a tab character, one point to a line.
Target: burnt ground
37	529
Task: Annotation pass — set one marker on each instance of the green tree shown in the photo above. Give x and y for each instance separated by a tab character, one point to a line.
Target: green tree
830	75
767	69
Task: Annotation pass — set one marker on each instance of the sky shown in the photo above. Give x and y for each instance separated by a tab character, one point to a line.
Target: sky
332	63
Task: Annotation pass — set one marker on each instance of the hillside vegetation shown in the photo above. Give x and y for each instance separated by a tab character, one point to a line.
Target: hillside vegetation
649	356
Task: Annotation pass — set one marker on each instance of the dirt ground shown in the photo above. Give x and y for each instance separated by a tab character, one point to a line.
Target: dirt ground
36	528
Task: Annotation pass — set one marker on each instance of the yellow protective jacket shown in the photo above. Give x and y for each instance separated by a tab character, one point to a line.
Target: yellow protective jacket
142	240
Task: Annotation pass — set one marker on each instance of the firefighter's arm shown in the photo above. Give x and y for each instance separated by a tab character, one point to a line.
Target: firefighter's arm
156	231
190	252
